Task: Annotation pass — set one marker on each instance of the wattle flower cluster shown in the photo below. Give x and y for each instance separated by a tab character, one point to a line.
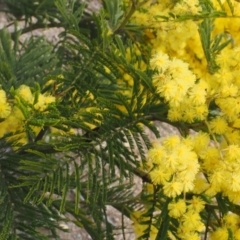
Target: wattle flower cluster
175	166
196	95
187	97
22	109
195	165
5	108
139	226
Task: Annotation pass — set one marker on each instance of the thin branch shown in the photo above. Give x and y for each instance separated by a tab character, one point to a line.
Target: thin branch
133	8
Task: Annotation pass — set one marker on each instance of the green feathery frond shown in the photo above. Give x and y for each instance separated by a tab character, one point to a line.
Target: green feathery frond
27	65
